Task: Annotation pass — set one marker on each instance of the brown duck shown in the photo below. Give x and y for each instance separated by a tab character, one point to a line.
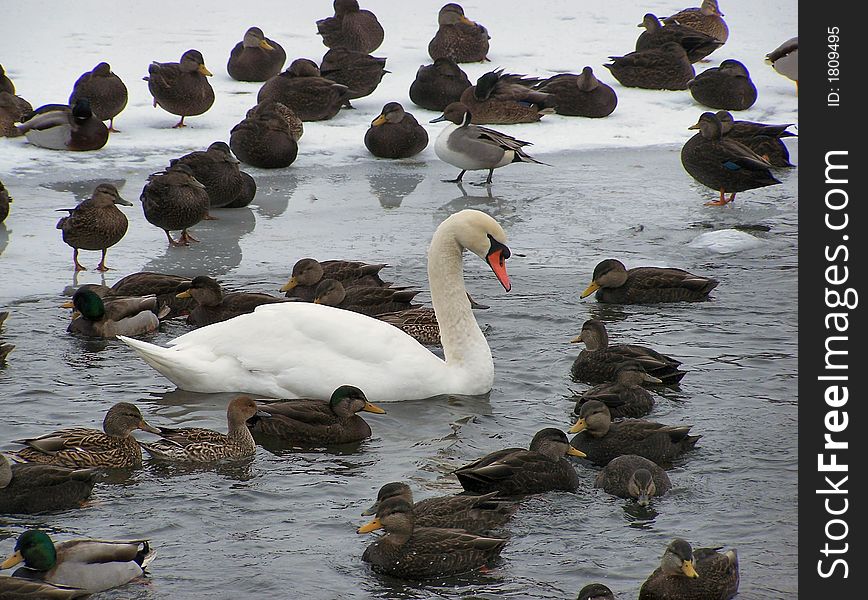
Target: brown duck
105	90
34	488
762	138
360	72
308	272
615	284
707	18
632	476
302	89
255	57
624	396
351	28
458	38
500	97
438	85
697	44
181	88
175	200
213	306
12	109
580	95
95	224
367	300
689	574
218	171
665	67
265	138
395	133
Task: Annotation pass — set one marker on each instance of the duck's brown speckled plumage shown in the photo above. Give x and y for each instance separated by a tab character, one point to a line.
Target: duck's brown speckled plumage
665	67
615	284
5	200
6	84
296	125
256	57
633	476
500	97
439	84
351	27
218	171
727	87
360	72
367	300
34	488
458	38
762	138
265	138
693	574
706	18
303	90
697	44
181	88
95	223
12	109
175	200
580	95
624	396
213	306
307	273
107	93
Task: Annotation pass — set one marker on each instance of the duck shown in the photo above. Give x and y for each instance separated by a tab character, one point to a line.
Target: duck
624	396
665	67
697	44
129	315
265	139
458	38
255	57
728	87
723	163
34	488
12	110
198	445
475	514
307	273
516	471
302	89
213	306
706	18
614	284
367	300
296	125
693	574
175	200
411	552
59	127
504	98
360	72
5	201
599	362
633	476
6	84
298	339
395	133
92	565
81	447
473	148
785	59
312	422
438	85
145	283
762	138
218	171
95	224
16	588
421	322
351	27
595	591
107	93
181	88
601	439
580	95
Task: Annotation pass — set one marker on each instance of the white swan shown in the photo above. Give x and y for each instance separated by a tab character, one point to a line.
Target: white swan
297	349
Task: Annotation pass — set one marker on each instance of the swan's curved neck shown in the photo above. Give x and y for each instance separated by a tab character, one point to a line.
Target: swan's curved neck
464	345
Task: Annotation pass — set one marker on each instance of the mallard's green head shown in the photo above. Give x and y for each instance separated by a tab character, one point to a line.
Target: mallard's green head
36	549
347	400
89	304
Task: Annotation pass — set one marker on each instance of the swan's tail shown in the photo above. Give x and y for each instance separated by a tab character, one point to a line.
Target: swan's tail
158	357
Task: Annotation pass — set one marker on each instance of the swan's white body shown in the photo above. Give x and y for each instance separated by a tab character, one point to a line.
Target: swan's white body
301	350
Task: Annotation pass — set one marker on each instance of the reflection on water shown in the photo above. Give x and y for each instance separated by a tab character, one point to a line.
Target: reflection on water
274	192
392	185
505	210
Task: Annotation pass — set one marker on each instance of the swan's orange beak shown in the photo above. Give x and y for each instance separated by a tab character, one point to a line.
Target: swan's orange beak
497	262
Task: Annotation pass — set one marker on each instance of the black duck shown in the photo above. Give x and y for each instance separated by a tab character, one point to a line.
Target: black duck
318	422
59	127
395	133
515	471
105	90
500	97
248	192
762	138
364	299
698	45
181	88
411	552
218	171
351	28
12	110
438	85
458	38
213	306
595	591
264	138
175	200
602	439
707	18
723	163
296	125
614	284
302	89
580	95
728	87
663	67
688	574
255	57
127	315
35	488
476	514
308	272
95	224
632	476
625	396
360	72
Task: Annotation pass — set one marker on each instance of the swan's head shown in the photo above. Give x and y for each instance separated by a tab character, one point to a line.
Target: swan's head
482	235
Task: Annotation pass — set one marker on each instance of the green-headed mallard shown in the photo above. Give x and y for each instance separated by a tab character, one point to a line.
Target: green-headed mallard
697	44
181	88
12	109
59	127
308	422
728	87
438	85
218	171
476	514
360	72
5	200
194	444
785	59
514	471
265	138
395	133
351	27
124	315
707	18
255	57
302	89
689	574
411	552
602	439
364	299
6	84
458	38
633	476
92	565
105	90
615	284
580	95
421	322
599	362
35	488
114	446
175	200
665	67
16	588
624	396
308	272
500	97
95	223
472	147
213	306
762	138
723	163
595	591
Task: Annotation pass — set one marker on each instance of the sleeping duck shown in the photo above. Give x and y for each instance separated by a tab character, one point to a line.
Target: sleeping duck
129	315
351	28
35	488
303	89
438	85
107	93
59	127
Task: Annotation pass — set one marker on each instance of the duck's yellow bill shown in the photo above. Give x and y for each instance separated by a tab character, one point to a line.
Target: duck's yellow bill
289	284
373	408
573	452
590	289
205	71
67	304
577	339
265	45
689	570
12	561
184	294
579	426
378	121
369	527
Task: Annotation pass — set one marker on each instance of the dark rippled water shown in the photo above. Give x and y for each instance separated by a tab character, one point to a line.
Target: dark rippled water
283	525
